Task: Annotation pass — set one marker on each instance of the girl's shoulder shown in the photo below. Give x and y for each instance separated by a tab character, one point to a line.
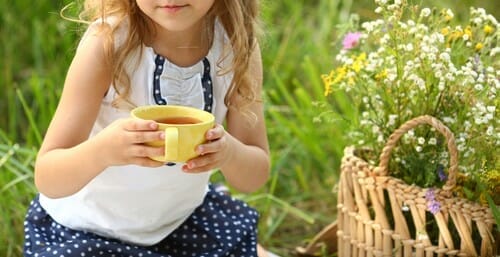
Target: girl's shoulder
111	28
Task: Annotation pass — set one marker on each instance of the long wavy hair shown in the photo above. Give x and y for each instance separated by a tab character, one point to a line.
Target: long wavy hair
240	19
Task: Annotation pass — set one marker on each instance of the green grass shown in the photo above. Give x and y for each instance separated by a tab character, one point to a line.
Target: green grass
301	38
16	190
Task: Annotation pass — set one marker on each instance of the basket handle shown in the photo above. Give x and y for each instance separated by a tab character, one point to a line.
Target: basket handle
382	168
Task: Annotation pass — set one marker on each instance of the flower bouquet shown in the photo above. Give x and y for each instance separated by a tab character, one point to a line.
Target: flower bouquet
413	66
415	62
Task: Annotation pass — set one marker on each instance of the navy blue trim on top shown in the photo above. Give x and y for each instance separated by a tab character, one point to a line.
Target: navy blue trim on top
206	83
159	63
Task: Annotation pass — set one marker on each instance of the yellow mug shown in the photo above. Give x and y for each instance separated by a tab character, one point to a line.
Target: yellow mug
185	128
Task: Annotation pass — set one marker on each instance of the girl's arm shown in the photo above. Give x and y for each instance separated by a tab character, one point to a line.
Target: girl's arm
242	154
248	168
67	160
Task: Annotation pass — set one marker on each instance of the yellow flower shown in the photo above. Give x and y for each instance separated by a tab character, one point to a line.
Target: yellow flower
381	75
454	35
327	82
479	46
445	31
361	57
334	77
488	29
468	32
492	178
358	63
342	71
448	14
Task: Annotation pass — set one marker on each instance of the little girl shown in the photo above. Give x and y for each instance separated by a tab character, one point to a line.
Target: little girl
100	195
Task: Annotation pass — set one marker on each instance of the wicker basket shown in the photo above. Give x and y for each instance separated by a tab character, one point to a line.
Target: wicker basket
379	215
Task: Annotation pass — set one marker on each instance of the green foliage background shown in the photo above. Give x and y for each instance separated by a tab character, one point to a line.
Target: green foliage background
301	38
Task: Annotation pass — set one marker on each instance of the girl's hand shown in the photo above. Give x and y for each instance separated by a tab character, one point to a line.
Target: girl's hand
123	142
213	154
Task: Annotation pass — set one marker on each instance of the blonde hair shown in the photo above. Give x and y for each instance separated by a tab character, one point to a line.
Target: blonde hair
238	17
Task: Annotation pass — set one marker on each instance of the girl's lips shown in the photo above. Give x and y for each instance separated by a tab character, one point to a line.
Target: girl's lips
173	8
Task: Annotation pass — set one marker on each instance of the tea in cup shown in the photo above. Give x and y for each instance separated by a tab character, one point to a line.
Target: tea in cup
185	128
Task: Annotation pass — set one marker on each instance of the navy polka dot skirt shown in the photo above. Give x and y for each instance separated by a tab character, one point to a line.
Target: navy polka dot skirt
221	226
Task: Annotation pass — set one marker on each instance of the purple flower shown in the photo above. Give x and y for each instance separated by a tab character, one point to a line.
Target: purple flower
441	173
430	194
432	204
351	40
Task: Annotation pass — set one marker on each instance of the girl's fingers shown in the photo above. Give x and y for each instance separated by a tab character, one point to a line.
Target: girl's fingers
212	147
215	133
196	169
145	151
146	136
140	125
201	164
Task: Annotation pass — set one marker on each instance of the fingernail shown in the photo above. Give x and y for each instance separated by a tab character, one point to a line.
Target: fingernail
199	150
162	135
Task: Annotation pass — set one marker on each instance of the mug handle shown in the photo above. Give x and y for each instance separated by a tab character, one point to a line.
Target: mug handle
171	143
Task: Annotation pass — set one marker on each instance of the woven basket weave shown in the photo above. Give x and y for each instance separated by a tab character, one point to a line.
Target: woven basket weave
379	215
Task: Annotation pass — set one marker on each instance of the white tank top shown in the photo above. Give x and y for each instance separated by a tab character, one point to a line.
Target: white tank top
137	204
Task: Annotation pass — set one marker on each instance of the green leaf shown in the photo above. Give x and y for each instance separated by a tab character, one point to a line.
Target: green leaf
495	210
